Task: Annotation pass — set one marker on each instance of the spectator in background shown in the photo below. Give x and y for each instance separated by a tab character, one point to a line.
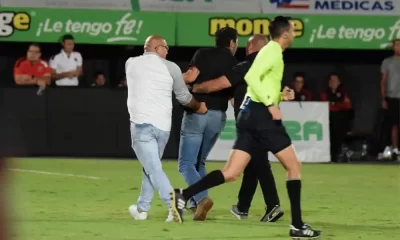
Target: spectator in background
390	90
31	70
300	93
122	82
67	65
340	113
100	80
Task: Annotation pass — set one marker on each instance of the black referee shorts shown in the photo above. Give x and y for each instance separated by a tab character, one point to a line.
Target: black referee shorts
256	131
393	111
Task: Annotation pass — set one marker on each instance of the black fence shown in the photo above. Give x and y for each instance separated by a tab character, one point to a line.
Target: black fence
71	122
84	122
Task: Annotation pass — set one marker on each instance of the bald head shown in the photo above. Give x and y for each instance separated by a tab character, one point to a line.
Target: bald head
152	42
255	43
156	44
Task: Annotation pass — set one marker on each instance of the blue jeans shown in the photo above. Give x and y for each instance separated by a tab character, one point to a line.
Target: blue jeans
149	143
199	132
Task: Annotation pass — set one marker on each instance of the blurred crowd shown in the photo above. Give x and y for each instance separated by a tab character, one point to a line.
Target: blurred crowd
64	69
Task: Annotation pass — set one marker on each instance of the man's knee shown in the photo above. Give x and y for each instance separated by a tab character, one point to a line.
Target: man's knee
294	169
152	168
185	166
288	158
230	176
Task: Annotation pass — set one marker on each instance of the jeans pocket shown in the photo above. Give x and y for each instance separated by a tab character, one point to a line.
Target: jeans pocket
193	123
142	132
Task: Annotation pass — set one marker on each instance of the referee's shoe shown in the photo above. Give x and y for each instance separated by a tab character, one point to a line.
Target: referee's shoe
306	232
272	215
178	204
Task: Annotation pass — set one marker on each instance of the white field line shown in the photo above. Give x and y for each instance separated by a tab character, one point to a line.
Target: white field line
53	173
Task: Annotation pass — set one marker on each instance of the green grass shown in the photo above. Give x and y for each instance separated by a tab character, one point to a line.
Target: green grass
348	202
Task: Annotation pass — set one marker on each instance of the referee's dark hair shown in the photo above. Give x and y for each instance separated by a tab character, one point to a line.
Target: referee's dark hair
67	37
278	26
224	36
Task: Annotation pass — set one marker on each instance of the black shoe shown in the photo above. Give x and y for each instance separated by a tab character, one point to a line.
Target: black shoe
272	215
240	215
178	204
306	232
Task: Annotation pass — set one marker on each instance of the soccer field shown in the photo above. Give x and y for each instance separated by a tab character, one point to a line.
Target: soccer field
347	202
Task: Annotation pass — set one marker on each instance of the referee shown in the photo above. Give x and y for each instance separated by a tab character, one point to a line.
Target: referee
257	170
260	126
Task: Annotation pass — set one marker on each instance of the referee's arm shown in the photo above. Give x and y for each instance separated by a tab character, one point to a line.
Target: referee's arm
263	62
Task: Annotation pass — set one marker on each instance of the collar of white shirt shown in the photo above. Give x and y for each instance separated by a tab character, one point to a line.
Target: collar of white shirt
65	54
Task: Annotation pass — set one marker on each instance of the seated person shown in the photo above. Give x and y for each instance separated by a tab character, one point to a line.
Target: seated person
300	93
31	70
340	113
99	81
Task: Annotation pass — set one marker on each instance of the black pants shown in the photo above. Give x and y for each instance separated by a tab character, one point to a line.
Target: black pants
258	171
257	135
393	112
339	125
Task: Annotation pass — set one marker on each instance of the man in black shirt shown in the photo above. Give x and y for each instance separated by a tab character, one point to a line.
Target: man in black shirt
199	132
255	170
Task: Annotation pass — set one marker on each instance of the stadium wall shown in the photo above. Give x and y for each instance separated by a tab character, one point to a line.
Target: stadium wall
83	122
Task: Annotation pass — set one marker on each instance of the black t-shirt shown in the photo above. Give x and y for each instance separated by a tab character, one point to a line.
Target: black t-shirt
213	63
236	78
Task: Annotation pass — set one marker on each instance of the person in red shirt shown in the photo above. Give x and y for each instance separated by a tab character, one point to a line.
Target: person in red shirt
340	113
31	70
300	93
336	94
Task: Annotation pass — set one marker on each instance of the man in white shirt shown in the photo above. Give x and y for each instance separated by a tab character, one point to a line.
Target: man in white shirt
67	65
390	93
151	79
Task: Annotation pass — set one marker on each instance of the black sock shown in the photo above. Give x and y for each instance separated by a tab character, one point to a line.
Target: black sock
211	180
294	191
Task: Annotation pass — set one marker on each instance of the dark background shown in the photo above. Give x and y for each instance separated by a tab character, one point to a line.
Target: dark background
86	122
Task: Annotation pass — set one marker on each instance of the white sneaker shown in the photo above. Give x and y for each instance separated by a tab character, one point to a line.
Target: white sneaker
387	153
396	151
136	214
170	217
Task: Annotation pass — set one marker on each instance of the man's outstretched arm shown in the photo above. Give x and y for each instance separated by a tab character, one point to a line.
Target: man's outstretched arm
230	79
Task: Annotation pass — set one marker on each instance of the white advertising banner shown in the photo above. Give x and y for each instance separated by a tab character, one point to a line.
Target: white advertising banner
307	124
342	7
74	4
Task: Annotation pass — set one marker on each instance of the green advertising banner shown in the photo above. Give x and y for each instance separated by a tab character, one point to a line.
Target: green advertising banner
191	29
87	26
312	31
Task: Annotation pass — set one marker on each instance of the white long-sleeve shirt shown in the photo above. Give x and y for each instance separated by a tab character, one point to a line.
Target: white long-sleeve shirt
151	80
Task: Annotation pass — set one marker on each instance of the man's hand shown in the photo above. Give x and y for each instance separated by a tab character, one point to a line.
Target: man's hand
384	104
41	83
195	87
275	112
73	74
191	74
203	108
287	94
